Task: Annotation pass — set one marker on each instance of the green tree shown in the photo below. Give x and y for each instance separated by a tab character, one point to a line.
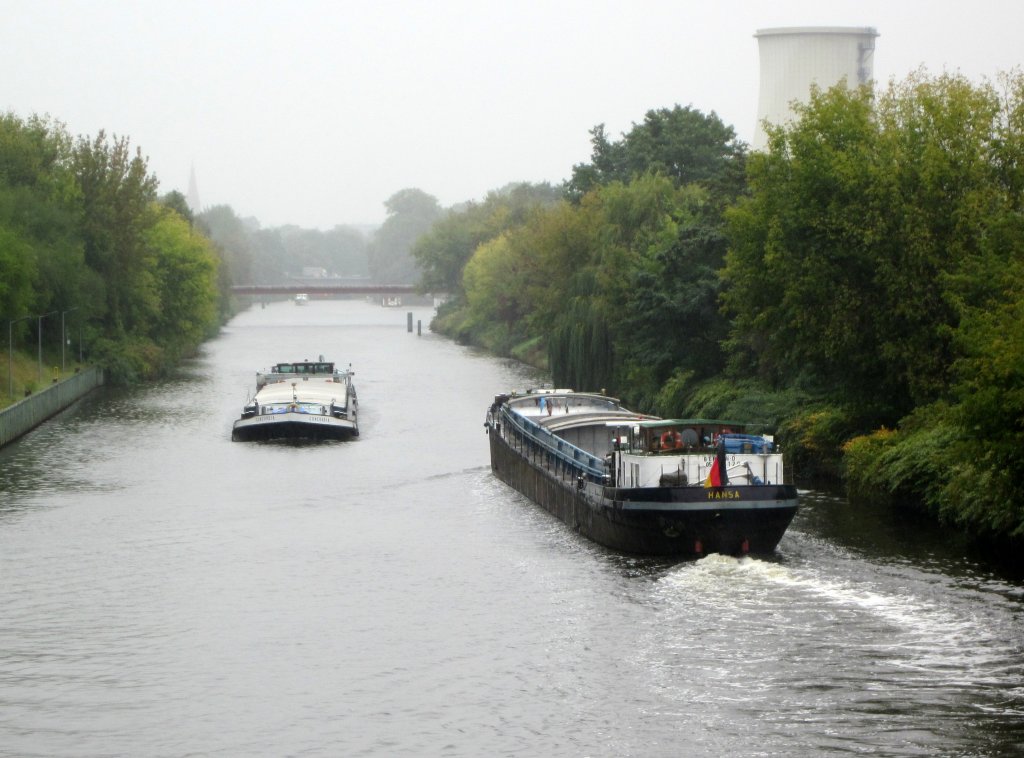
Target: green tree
442	253
861	212
982	490
983	487
179	204
680	142
671	324
653	307
411	213
117	209
640	301
494	290
512	279
234	239
345	252
42	266
186	278
800	274
938	194
18	271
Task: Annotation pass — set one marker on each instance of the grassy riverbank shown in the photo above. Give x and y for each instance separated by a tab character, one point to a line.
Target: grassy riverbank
26	374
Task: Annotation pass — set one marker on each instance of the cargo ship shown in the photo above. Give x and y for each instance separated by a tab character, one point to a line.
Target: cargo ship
310	400
640	484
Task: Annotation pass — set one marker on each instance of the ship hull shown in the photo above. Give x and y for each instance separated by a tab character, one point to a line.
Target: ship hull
682	522
293	426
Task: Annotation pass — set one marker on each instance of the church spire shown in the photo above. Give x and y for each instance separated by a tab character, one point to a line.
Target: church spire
193	192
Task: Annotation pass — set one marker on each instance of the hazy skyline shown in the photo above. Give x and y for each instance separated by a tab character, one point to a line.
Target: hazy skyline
315	113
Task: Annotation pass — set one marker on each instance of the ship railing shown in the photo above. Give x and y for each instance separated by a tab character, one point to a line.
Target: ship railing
541	440
646	470
748	468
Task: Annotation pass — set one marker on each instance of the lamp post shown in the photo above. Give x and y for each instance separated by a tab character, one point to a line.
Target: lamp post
41	317
10	354
63	339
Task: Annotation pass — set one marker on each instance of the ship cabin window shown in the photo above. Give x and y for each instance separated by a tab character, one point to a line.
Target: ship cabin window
668	438
689	437
306	367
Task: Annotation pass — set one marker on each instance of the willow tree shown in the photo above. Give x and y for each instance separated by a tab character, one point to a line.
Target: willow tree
665	291
641	304
657	196
580	348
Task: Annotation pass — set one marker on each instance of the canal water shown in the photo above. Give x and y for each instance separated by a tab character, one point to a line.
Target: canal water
167	592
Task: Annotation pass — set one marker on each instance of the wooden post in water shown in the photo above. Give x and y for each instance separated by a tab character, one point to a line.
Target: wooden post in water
419	328
409	321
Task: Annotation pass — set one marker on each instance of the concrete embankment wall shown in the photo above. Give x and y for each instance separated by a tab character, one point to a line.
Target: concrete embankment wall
29	413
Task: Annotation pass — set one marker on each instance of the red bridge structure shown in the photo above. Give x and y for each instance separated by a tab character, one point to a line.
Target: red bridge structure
324	288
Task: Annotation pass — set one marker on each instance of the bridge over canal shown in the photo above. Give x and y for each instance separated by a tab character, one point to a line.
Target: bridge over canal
325	288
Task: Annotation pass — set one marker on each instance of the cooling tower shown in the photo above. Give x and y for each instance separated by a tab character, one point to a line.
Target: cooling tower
794	58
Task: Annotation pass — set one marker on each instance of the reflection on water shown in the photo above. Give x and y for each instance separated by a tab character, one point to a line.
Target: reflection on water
169	592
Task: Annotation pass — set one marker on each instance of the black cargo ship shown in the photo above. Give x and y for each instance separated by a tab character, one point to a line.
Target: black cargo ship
639	484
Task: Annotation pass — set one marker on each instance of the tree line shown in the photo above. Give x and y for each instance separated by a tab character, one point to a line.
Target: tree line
256	255
140	279
857	286
84	234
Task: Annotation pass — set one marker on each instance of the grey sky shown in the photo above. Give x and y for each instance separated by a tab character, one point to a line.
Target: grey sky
314	113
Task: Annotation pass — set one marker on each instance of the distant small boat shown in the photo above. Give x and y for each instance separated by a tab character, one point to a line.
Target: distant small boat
303	400
301	299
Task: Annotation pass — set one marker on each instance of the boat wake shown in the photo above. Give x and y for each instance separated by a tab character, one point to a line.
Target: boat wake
918	626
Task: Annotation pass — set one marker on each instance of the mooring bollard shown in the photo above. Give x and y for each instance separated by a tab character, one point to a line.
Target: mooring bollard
409	321
419	328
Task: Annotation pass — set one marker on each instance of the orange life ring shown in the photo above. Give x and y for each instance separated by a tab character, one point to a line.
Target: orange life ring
671	440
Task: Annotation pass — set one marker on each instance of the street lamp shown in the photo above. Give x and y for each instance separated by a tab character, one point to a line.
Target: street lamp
63	339
10	354
51	313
